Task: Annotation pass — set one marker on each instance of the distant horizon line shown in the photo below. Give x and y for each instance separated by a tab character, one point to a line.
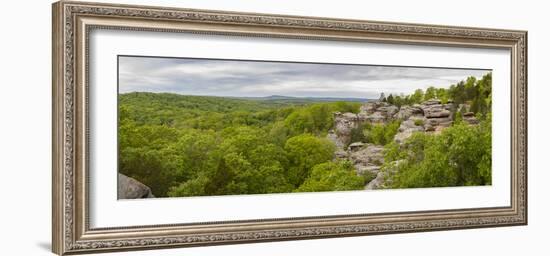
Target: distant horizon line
268	96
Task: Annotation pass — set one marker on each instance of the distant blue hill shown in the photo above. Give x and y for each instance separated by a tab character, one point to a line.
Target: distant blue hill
318	99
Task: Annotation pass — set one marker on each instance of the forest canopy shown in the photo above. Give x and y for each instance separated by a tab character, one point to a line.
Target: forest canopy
194	145
181	145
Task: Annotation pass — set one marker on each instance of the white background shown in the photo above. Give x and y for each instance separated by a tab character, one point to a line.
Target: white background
25	114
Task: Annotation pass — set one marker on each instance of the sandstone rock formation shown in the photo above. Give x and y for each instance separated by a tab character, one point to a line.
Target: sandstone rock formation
367	160
376	182
408	127
367	157
470	118
436	114
407	111
343	125
371	112
377	112
129	188
430	116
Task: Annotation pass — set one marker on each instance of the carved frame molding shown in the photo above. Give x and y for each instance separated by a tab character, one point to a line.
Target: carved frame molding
72	22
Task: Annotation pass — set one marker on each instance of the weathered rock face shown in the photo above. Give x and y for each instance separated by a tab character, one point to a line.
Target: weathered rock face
431	116
340	152
463	108
408	127
377	112
355	146
434	108
370	112
367	155
384	177
470	118
367	160
129	188
388	111
376	182
343	124
407	111
436	115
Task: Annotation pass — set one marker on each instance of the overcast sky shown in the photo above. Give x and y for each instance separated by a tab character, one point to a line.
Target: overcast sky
257	79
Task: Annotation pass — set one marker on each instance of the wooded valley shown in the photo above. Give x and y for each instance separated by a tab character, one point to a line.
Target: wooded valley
181	145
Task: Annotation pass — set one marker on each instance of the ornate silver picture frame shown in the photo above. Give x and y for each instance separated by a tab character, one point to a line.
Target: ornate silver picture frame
74	21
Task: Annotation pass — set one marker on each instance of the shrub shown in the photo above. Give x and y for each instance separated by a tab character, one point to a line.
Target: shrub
459	156
357	134
381	134
368	176
332	176
304	152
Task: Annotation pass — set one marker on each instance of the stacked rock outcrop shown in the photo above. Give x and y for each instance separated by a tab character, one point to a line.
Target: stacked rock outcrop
431	116
130	188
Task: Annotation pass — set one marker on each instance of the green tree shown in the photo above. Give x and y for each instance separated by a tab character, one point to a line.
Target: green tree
246	163
457	118
342	106
390	99
431	93
381	134
145	154
278	133
300	121
195	145
305	151
460	156
398	101
383	99
332	176
417	96
322	115
156	168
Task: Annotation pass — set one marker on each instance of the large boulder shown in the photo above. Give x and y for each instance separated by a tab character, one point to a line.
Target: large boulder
343	125
371	107
376	182
130	188
370	112
364	169
355	146
402	136
435	111
340	152
334	138
388	111
470	118
412	124
367	159
431	102
437	121
376	118
407	111
384	176
369	154
377	112
408	128
437	116
450	106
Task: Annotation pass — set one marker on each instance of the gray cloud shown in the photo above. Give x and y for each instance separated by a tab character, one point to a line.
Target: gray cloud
258	78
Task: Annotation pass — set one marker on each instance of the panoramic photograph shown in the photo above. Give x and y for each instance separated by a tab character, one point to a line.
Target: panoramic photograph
212	127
